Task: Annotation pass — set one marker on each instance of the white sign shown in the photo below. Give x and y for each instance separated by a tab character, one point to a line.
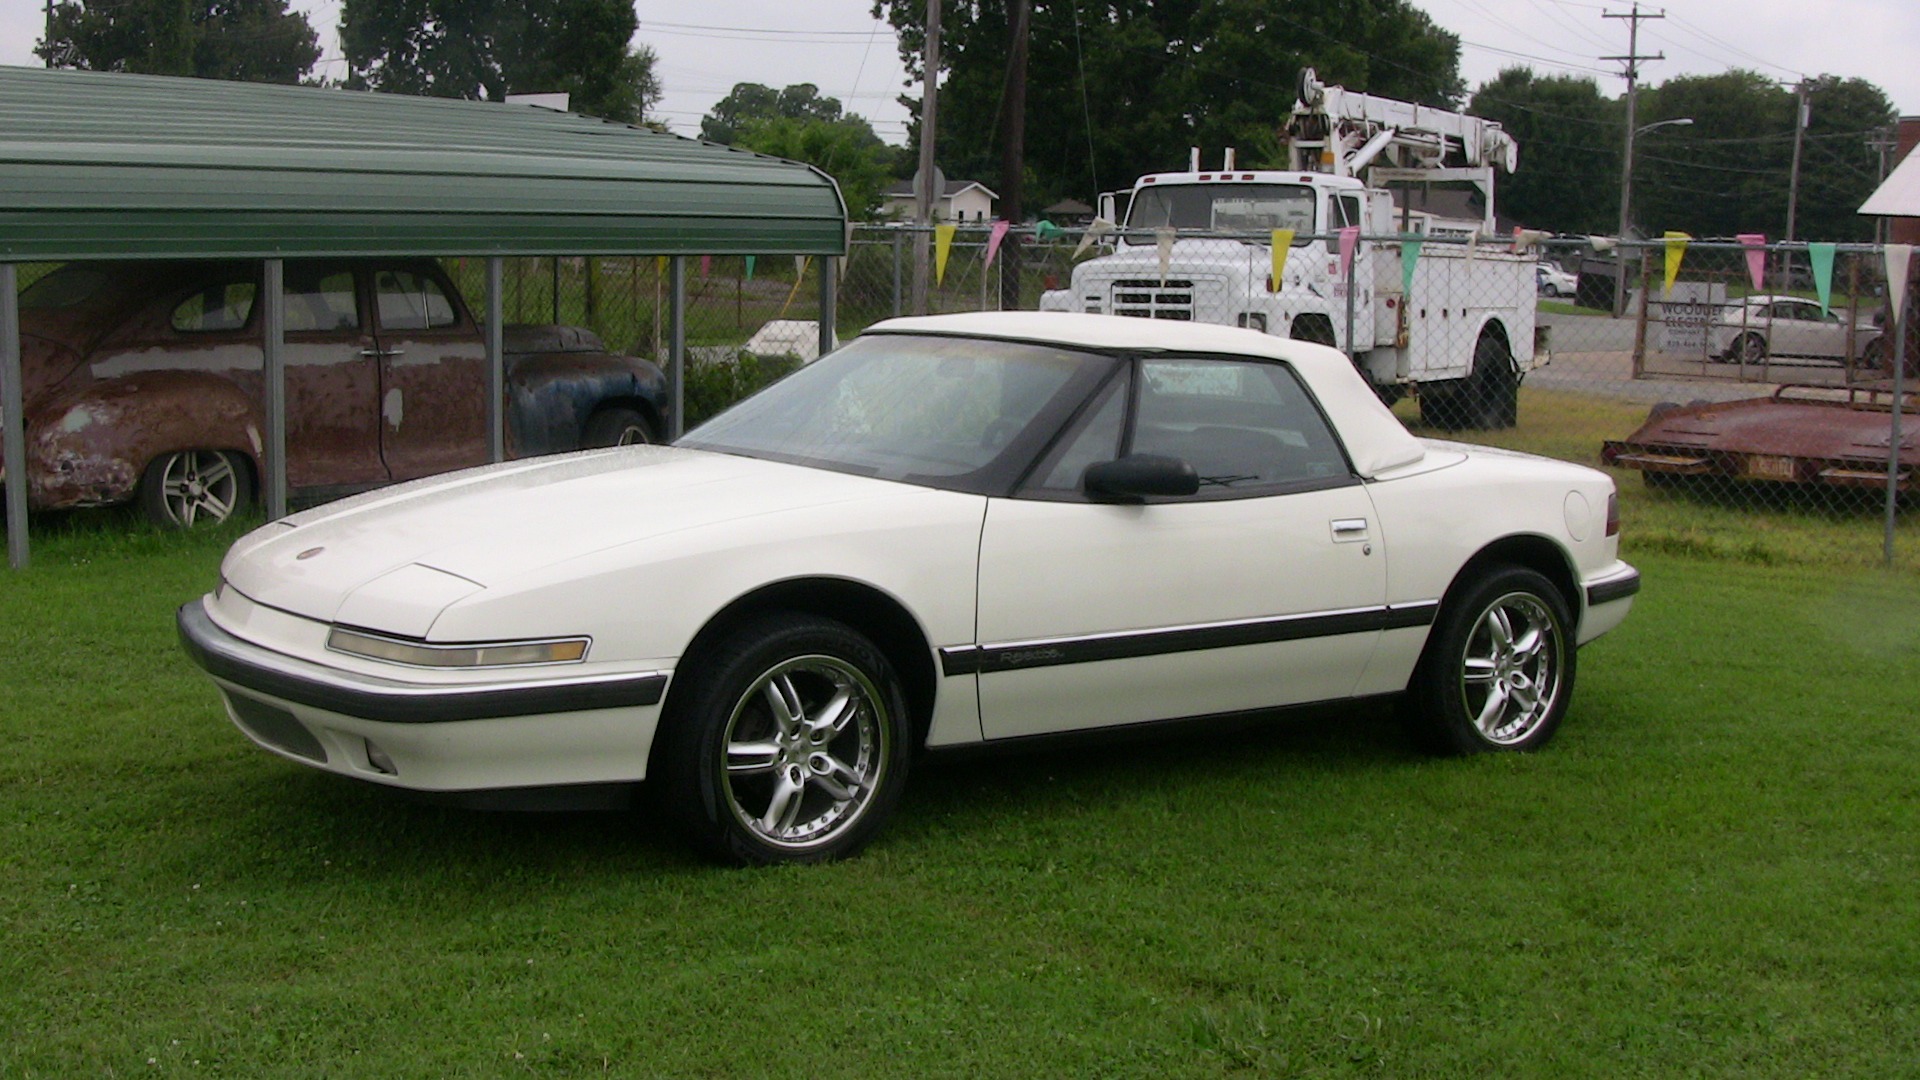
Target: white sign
1685	316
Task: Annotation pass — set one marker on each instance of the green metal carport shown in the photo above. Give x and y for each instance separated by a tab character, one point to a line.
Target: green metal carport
110	166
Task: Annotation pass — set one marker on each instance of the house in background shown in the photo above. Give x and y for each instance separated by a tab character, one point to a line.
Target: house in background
956	201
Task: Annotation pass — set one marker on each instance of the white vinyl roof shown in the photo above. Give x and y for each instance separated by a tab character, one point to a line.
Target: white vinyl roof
1899	195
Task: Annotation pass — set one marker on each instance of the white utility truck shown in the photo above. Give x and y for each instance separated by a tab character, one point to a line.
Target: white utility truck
1460	340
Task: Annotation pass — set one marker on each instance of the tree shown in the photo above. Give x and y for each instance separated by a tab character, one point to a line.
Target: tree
1570	142
240	40
1162	75
487	48
845	149
749	103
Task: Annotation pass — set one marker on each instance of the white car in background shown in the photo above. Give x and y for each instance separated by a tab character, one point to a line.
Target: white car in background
1550	280
955	530
1752	329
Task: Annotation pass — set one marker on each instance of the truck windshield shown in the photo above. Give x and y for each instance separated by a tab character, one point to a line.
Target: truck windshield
1225	208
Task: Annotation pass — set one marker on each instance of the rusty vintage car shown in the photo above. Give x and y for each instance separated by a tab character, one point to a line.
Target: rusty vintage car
143	380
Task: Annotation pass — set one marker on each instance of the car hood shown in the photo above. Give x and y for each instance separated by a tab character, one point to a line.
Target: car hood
424	545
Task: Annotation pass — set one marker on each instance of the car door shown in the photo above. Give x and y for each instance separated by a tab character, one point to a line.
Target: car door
332	380
1264	589
433	373
1798	329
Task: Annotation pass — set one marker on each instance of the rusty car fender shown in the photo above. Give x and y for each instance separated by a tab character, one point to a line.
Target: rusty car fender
90	445
551	396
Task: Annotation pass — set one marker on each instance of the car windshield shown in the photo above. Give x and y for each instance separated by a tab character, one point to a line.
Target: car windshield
1225	208
965	414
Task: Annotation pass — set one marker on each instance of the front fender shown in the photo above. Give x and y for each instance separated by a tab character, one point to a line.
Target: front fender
88	446
550	396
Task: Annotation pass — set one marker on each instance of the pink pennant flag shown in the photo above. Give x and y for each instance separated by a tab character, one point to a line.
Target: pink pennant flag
1349	237
998	234
706	266
1756	245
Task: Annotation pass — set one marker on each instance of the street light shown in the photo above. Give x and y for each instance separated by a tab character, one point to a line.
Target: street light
1626	202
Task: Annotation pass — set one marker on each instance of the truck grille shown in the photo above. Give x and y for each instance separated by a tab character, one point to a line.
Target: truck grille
1148	299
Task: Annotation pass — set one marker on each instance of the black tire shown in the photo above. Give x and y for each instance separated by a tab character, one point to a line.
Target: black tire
752	787
1312	328
1748	348
1874	356
1442	404
1478	684
188	488
1493	387
617	425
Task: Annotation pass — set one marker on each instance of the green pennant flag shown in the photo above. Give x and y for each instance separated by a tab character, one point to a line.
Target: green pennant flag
1409	257
1821	256
750	259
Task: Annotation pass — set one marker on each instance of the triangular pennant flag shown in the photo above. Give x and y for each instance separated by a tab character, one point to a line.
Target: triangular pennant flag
1282	243
1756	245
1821	256
1163	240
1047	232
706	266
1676	250
1409	257
799	266
942	247
1525	240
1349	239
1899	258
660	265
750	260
1098	228
998	233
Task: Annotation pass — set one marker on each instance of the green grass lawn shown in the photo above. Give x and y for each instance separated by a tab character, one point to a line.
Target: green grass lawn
1710	872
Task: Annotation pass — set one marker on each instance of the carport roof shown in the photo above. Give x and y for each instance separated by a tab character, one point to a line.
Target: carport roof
103	165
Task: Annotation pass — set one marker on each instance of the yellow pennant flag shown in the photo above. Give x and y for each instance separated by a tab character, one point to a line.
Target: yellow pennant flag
1282	243
942	246
660	265
1676	250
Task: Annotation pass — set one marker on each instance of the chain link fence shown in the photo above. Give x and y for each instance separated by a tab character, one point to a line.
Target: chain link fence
1756	388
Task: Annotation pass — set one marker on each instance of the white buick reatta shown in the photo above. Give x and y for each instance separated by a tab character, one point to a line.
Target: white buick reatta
955	530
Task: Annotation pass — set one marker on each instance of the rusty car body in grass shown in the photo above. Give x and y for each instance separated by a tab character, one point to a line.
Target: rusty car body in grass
143	380
1798	434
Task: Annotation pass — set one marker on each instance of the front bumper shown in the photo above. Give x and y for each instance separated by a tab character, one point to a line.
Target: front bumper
441	737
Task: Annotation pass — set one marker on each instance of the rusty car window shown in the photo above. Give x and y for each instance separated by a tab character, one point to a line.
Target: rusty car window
69	286
223	305
410	301
320	302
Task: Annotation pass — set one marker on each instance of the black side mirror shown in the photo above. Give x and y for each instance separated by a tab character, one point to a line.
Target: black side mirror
1137	476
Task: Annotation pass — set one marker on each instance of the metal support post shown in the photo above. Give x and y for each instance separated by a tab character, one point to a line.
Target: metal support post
1352	262
829	300
1898	358
677	342
274	384
496	363
898	254
13	416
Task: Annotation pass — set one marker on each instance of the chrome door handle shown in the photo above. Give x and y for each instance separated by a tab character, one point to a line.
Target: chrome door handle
1349	530
383	352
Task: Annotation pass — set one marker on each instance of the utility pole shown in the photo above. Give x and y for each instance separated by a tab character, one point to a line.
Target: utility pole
1799	134
923	183
1632	60
1013	165
1884	143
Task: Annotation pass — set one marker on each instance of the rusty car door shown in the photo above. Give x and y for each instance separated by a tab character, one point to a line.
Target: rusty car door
433	373
333	381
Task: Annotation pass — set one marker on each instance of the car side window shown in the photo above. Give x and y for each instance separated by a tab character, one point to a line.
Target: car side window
1097	439
223	305
319	301
1244	426
410	301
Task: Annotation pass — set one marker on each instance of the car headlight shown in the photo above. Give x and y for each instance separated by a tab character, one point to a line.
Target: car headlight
474	655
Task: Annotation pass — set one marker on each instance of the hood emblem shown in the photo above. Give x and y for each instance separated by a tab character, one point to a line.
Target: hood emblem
310	553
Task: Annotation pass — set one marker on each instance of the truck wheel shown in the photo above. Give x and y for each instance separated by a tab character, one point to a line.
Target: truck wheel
1441	404
195	487
1493	389
617	425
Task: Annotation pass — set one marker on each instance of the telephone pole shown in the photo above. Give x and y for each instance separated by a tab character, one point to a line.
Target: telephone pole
925	197
1799	135
1013	165
1884	144
1632	60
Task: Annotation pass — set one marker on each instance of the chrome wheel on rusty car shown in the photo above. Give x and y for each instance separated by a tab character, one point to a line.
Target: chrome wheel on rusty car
1499	668
787	743
195	487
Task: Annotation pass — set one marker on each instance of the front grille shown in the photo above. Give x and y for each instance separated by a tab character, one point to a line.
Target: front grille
276	727
1148	299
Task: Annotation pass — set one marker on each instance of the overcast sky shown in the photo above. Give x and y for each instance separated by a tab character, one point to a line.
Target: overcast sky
705	48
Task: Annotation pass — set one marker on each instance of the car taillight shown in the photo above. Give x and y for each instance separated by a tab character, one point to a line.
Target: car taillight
1613	515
